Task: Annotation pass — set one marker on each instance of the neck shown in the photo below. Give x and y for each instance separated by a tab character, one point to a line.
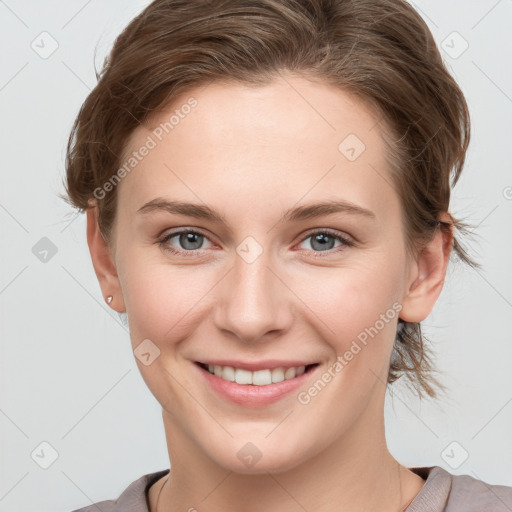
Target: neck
355	473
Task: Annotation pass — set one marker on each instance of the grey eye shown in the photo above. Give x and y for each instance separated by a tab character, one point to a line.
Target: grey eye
322	241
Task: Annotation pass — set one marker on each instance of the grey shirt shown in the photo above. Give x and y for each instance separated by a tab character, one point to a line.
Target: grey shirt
442	492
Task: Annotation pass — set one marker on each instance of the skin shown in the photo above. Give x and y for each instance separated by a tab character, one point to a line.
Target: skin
250	154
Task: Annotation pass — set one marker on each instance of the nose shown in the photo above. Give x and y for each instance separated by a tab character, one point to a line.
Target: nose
254	303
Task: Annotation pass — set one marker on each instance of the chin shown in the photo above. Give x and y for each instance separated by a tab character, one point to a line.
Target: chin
258	457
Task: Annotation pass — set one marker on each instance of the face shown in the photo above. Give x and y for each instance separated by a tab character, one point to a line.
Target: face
261	279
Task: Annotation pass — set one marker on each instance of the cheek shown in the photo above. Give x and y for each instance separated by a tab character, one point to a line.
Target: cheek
360	309
162	301
163	304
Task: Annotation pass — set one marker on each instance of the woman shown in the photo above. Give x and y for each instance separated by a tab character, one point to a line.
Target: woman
267	189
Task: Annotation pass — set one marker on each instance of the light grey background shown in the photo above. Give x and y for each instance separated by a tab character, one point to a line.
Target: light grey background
68	376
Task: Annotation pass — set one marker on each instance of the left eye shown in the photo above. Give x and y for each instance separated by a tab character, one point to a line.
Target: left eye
322	241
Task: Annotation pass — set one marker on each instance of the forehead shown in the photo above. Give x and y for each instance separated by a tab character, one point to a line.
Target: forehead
285	140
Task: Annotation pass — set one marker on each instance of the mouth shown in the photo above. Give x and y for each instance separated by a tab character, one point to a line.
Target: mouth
256	385
257	375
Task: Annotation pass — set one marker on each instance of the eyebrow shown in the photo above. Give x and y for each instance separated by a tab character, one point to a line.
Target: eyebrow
303	212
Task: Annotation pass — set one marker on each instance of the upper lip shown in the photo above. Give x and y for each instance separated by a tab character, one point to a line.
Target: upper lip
255	366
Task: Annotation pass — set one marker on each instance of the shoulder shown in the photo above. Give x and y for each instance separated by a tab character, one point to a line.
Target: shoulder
132	499
472	494
445	492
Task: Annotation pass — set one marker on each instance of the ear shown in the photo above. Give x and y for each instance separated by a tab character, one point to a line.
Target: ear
103	262
426	277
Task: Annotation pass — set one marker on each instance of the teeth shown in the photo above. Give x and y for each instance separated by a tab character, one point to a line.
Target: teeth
289	373
277	374
257	378
242	376
261	377
228	373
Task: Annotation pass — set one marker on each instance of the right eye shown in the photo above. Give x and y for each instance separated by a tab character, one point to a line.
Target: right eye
190	241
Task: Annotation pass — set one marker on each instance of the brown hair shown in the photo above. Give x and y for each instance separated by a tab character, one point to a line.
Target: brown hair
382	51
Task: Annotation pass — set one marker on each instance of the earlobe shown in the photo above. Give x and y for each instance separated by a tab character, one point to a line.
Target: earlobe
103	262
427	277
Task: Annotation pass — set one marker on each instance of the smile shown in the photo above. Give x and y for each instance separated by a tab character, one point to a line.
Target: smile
262	377
251	384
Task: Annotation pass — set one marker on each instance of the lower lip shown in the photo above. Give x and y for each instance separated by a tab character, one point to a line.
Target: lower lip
250	395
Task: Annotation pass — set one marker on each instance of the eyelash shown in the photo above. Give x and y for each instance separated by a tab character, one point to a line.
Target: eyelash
346	242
